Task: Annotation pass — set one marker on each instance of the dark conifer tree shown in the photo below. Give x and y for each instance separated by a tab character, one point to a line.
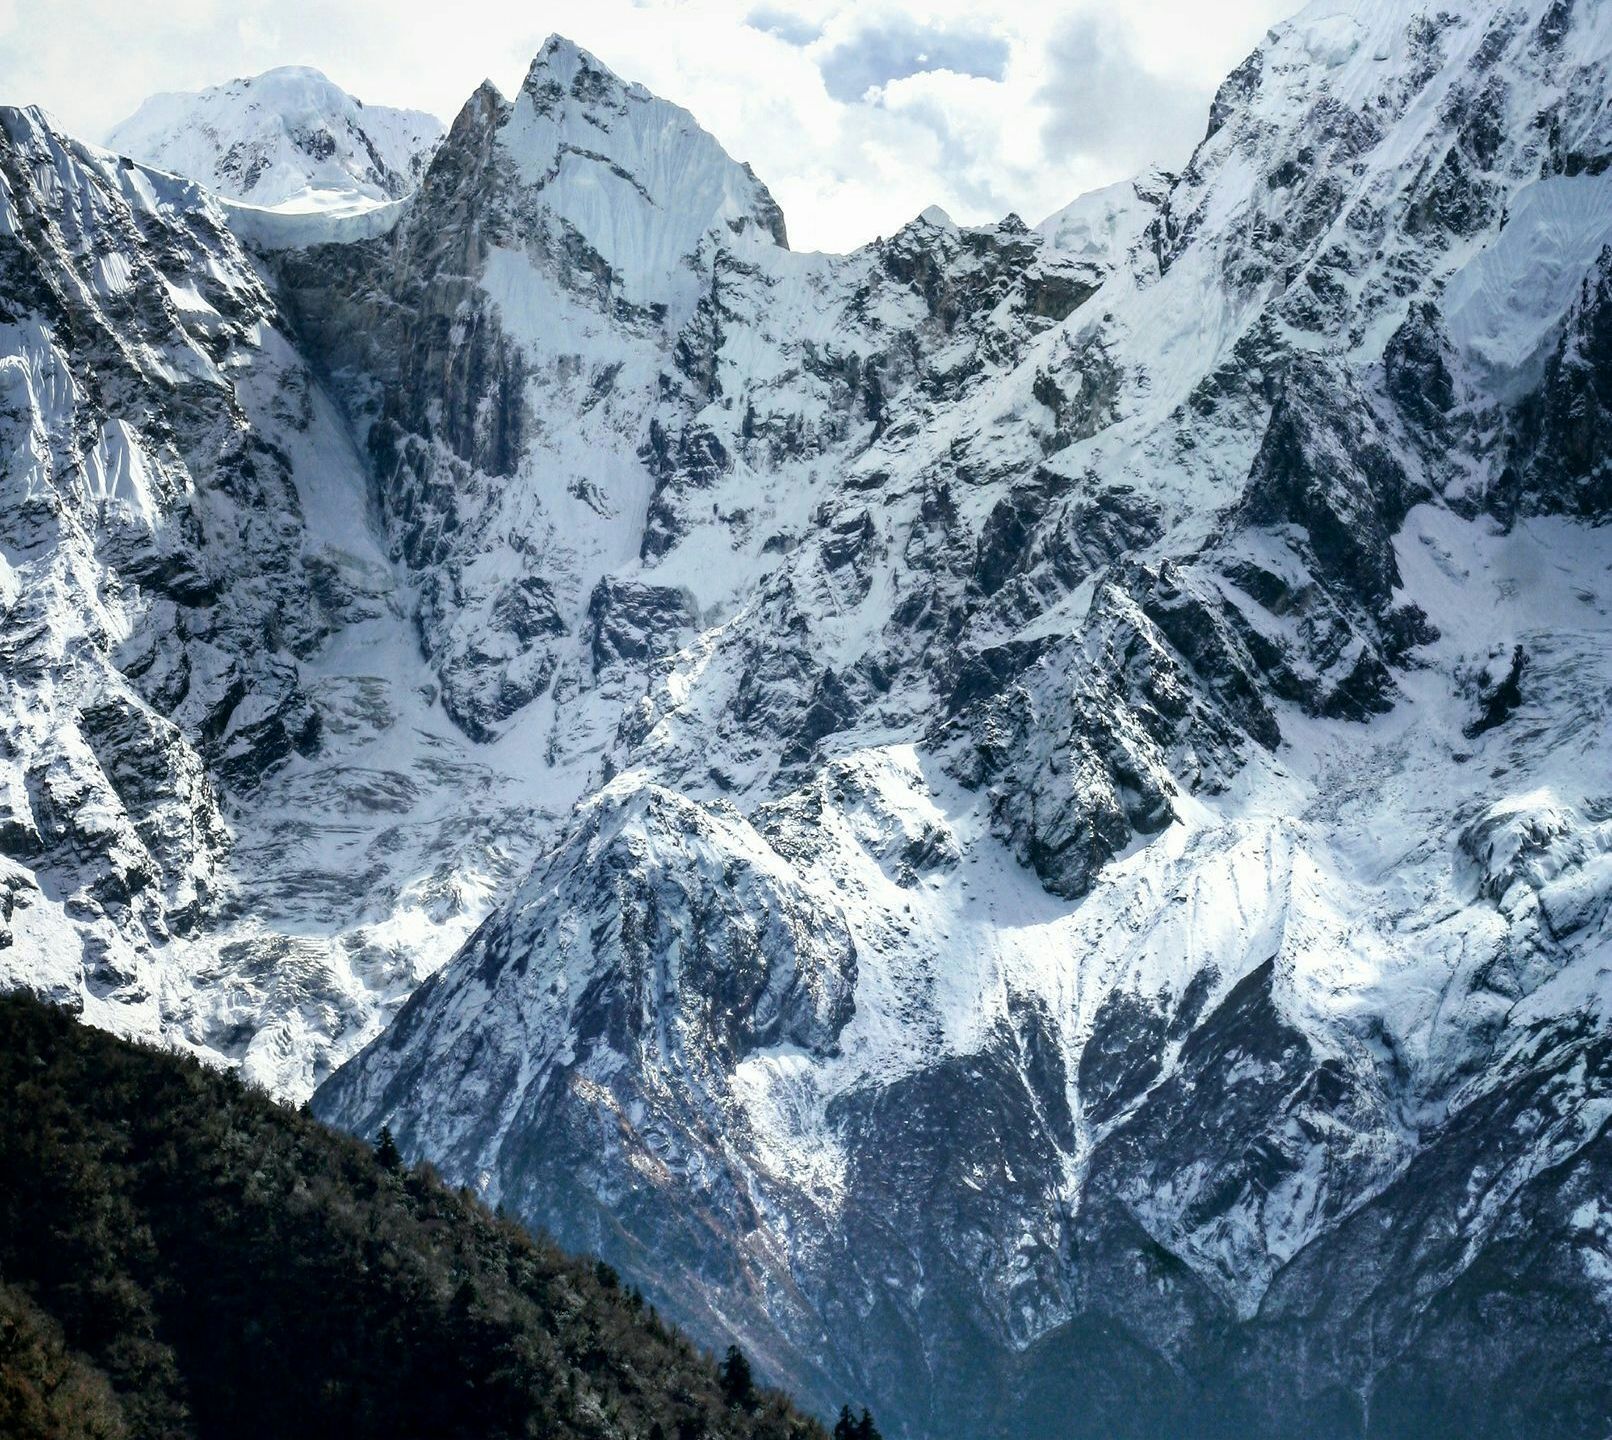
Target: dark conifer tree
738	1384
386	1150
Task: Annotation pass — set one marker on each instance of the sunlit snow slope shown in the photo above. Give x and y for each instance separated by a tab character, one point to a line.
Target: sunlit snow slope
285	139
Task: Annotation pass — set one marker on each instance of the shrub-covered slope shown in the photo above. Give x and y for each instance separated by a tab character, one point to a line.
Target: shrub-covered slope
180	1256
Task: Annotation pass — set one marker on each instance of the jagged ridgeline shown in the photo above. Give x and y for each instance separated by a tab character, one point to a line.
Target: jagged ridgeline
1018	821
181	1256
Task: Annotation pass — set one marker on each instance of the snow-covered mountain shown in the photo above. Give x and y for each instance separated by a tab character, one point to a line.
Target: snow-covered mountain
230	814
1034	805
287	138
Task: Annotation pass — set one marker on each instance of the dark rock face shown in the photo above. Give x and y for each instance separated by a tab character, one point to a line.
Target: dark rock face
1417	373
1501	697
1076	751
1342	487
407	316
1565	427
459	381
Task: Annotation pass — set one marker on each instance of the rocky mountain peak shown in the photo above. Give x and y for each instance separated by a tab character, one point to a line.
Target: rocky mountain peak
288	138
563	67
635	176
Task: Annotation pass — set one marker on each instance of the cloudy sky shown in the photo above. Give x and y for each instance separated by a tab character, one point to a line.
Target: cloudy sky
857	113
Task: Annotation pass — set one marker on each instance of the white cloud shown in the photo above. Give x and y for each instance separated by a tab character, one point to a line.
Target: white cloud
857	113
1105	104
898	48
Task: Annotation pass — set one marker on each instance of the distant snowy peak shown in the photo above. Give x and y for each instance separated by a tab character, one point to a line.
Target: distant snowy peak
288	138
634	176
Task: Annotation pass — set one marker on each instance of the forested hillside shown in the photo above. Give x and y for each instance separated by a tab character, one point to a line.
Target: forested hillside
183	1257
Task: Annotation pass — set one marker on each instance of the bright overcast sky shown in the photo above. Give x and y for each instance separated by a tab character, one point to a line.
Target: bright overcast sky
857	113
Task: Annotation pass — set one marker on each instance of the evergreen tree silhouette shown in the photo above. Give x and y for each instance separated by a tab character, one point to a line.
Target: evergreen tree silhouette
738	1384
845	1428
386	1150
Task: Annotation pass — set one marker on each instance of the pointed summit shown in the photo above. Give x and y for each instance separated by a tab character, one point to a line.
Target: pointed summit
561	61
633	176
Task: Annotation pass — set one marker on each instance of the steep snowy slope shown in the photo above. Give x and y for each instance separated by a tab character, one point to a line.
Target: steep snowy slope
287	138
227	814
517	322
1094	916
1103	225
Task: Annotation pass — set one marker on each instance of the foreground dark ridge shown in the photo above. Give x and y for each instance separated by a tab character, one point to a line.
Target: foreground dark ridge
180	1256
